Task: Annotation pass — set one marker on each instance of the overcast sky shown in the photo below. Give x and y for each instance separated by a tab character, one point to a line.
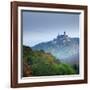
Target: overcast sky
41	26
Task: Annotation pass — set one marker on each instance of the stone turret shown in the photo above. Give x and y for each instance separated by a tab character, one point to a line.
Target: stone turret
64	33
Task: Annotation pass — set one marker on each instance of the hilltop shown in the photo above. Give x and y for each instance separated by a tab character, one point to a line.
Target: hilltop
62	47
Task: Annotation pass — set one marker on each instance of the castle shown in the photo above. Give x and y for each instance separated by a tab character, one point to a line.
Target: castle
63	37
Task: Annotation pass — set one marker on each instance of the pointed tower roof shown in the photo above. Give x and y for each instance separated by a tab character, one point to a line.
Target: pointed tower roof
64	33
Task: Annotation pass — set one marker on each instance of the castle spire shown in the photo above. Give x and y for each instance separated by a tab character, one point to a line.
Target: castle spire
64	33
58	35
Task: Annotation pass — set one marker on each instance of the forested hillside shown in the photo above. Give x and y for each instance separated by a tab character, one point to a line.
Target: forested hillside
39	63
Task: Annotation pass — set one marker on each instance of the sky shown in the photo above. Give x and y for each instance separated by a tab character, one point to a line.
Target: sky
45	26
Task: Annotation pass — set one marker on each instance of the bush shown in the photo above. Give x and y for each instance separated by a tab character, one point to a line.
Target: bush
42	69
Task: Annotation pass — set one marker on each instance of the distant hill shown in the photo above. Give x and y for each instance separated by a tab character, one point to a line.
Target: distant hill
62	47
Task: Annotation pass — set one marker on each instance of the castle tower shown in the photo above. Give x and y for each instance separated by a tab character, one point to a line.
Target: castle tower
58	35
64	33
